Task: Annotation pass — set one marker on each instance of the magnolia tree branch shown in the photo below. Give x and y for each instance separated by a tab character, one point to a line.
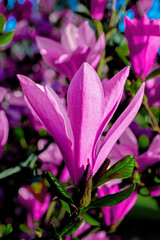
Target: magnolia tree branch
30	161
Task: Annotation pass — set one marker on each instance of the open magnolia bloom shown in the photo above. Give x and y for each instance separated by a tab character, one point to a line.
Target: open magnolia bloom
143	37
128	145
36	200
113	214
90	106
78	45
97	9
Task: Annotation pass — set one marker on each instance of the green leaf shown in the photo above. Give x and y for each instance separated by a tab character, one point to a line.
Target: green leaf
55	233
92	221
58	188
143	141
6	37
112	199
100	173
2	22
6	230
120	170
66	206
71	228
153	74
110	33
122	52
86	199
83	14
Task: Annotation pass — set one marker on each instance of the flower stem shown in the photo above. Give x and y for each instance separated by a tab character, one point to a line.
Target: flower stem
113	12
152	117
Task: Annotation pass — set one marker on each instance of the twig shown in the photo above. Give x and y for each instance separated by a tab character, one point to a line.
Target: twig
113	12
152	117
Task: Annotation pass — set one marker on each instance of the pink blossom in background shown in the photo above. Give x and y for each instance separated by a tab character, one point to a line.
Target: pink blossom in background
101	235
35	200
128	146
115	213
152	89
3	92
89	110
78	45
143	37
151	156
4	128
144	7
97	8
51	159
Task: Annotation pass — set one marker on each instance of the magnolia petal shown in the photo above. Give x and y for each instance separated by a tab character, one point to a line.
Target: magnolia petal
146	160
50	49
119	211
4	128
69	37
137	42
119	127
155	145
86	35
3	92
51	116
127	146
143	37
69	64
85	101
95	53
97	9
153	44
115	213
113	90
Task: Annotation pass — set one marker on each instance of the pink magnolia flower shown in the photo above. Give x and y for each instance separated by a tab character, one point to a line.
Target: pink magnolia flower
78	45
153	88
143	5
128	146
97	8
143	37
101	235
3	92
4	128
116	213
51	159
90	106
36	201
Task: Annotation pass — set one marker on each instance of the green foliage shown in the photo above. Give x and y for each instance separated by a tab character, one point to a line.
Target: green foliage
122	52
143	141
58	188
71	228
2	22
86	199
120	170
92	221
6	37
100	173
153	74
112	199
5	230
66	206
133	87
